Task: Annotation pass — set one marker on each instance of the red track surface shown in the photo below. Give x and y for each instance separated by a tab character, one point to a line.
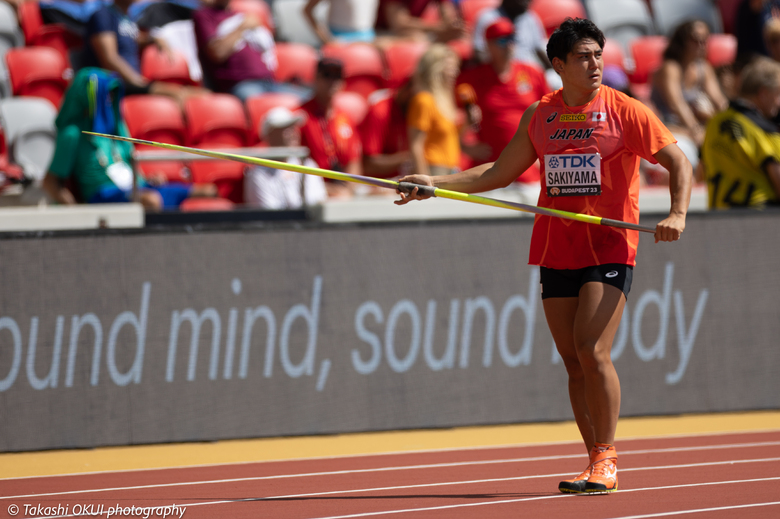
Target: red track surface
719	476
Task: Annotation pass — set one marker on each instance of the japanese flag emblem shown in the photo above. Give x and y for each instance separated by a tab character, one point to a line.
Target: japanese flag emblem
599	116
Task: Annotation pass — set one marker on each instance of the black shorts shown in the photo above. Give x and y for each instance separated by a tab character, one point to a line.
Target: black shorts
567	283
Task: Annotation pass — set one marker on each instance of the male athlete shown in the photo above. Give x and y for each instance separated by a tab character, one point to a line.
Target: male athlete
589	139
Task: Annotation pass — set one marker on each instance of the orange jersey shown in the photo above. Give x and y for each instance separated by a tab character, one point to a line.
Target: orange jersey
590	164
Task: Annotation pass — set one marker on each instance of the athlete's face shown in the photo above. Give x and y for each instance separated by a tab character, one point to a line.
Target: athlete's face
583	66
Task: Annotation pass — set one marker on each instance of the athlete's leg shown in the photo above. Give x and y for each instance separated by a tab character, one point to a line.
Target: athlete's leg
599	310
561	313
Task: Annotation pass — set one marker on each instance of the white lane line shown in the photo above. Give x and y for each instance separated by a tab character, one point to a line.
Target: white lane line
446	507
461	482
403	453
558	496
699	510
387	469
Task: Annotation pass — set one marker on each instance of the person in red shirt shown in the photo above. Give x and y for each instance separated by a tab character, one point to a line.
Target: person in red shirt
502	89
589	139
383	133
403	18
332	140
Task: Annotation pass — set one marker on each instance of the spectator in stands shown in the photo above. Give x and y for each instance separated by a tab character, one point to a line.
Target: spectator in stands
102	169
328	133
503	89
685	89
112	42
530	36
749	28
383	133
403	19
238	54
434	137
741	151
348	20
772	38
270	188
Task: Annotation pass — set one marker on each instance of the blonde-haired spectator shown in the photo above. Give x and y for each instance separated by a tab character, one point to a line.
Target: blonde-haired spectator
434	139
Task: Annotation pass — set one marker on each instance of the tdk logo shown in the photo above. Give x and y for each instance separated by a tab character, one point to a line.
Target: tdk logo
572	161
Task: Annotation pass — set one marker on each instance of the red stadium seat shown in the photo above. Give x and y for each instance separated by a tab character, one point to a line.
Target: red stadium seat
38	72
613	54
206	204
228	176
647	53
216	120
402	58
363	69
470	10
258	8
258	106
157	66
156	118
721	49
553	12
296	63
355	106
36	33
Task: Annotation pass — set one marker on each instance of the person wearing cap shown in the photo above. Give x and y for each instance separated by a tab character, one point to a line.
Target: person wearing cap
503	89
237	52
329	134
529	34
270	188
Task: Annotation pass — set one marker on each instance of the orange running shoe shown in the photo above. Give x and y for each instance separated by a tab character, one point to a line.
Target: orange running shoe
577	485
603	477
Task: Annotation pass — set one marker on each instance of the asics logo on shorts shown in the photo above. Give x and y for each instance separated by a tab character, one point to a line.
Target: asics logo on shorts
611	274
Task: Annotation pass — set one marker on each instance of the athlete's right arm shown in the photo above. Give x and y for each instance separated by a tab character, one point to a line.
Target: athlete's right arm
517	156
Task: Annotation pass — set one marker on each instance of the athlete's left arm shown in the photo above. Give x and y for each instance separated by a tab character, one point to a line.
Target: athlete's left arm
673	159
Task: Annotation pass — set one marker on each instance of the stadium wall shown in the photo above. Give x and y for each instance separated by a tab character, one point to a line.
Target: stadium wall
130	338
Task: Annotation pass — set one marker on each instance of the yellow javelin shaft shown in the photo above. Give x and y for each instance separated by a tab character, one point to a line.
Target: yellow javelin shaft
390	184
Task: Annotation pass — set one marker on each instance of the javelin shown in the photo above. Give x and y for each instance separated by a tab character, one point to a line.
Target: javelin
405	187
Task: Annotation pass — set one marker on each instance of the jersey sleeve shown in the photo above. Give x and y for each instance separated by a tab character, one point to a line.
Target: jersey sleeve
421	112
644	132
65	151
101	22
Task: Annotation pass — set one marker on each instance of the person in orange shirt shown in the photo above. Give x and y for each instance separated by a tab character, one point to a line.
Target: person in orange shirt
434	138
589	139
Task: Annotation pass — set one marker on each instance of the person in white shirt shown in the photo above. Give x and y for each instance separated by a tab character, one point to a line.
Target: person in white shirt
348	20
270	188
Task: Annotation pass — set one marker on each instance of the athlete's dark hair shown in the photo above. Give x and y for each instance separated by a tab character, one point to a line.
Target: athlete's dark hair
571	31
